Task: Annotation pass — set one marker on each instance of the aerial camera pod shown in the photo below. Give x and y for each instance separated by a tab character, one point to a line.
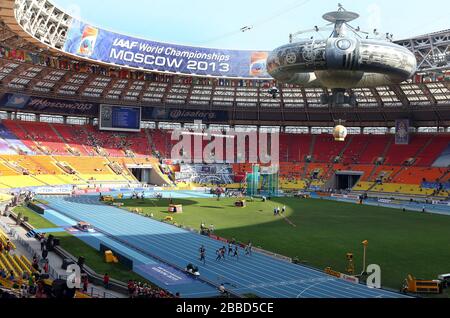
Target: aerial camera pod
341	62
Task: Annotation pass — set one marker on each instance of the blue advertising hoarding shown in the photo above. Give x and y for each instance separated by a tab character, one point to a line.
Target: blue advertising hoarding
184	115
169	276
22	102
96	44
123	117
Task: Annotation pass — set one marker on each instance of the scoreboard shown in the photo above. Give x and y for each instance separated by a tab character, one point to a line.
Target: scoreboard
120	118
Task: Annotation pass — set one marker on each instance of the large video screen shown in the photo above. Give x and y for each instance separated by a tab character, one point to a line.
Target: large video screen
93	43
120	118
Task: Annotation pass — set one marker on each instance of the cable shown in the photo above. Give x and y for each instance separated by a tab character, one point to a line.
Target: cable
356	31
258	23
317	30
408	34
284	11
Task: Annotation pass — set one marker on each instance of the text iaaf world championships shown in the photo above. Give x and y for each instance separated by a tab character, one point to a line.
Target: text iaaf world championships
169	51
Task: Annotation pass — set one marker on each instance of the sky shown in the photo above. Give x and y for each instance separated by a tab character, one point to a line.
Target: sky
212	23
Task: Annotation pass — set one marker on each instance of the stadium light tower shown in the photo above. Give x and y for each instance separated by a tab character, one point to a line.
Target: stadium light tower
365	245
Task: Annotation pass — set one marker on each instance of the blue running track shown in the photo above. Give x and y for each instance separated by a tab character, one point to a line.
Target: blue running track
258	274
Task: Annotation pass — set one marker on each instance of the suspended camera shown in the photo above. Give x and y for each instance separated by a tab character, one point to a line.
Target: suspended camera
346	60
339	97
274	91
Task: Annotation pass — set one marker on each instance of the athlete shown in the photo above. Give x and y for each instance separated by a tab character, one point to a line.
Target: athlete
236	252
203	255
219	255
223	250
248	249
230	248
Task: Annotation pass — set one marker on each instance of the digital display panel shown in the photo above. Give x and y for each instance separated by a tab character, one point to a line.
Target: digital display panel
120	118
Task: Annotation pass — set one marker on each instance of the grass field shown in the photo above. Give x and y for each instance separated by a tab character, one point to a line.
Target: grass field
94	259
401	243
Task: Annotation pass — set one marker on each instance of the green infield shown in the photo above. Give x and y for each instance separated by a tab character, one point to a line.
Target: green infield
34	219
320	233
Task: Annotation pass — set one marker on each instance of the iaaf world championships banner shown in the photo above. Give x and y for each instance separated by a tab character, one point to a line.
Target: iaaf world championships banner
90	42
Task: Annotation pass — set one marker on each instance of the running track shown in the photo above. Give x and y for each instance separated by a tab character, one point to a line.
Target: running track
259	274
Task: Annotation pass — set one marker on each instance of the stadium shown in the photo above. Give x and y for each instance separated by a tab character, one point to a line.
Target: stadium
132	168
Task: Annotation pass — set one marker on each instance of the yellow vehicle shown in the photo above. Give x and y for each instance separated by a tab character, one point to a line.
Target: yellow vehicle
110	257
418	286
107	198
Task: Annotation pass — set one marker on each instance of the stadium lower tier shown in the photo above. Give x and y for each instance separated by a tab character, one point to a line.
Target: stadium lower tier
43	154
18	171
21	137
407	189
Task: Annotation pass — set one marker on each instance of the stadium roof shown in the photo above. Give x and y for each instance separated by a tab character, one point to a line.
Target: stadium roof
42	69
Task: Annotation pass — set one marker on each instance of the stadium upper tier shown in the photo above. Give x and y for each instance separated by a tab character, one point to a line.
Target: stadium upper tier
43	25
33	63
56	81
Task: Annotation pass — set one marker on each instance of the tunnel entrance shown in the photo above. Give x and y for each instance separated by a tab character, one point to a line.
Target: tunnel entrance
141	172
346	180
